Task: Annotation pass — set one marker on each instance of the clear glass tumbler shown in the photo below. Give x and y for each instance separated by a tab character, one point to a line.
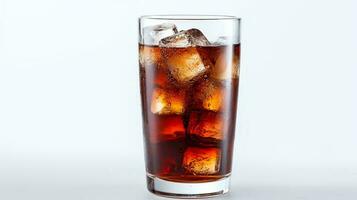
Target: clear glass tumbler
189	76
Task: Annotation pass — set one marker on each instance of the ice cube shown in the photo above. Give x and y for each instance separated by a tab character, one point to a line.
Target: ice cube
153	34
226	67
185	64
167	101
191	37
149	55
223	40
206	125
201	161
209	95
166	128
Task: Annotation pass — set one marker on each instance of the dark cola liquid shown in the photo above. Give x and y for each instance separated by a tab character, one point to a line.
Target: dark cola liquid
189	102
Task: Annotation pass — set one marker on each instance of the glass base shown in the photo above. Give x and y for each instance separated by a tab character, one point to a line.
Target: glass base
187	190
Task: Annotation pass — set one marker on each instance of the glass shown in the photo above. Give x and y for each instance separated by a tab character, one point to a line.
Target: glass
189	75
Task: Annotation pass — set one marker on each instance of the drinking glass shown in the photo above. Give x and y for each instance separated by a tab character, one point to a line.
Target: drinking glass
189	76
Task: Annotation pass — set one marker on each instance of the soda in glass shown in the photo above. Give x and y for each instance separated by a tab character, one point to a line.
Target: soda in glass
189	77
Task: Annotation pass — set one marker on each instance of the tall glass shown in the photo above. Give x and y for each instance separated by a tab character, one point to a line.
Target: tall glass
189	75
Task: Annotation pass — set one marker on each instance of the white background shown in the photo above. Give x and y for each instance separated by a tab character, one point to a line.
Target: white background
70	121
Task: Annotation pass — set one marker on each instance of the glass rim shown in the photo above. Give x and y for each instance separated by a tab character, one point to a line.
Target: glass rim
184	17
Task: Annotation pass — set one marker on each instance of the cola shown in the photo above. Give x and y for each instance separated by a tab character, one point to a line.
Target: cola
189	90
